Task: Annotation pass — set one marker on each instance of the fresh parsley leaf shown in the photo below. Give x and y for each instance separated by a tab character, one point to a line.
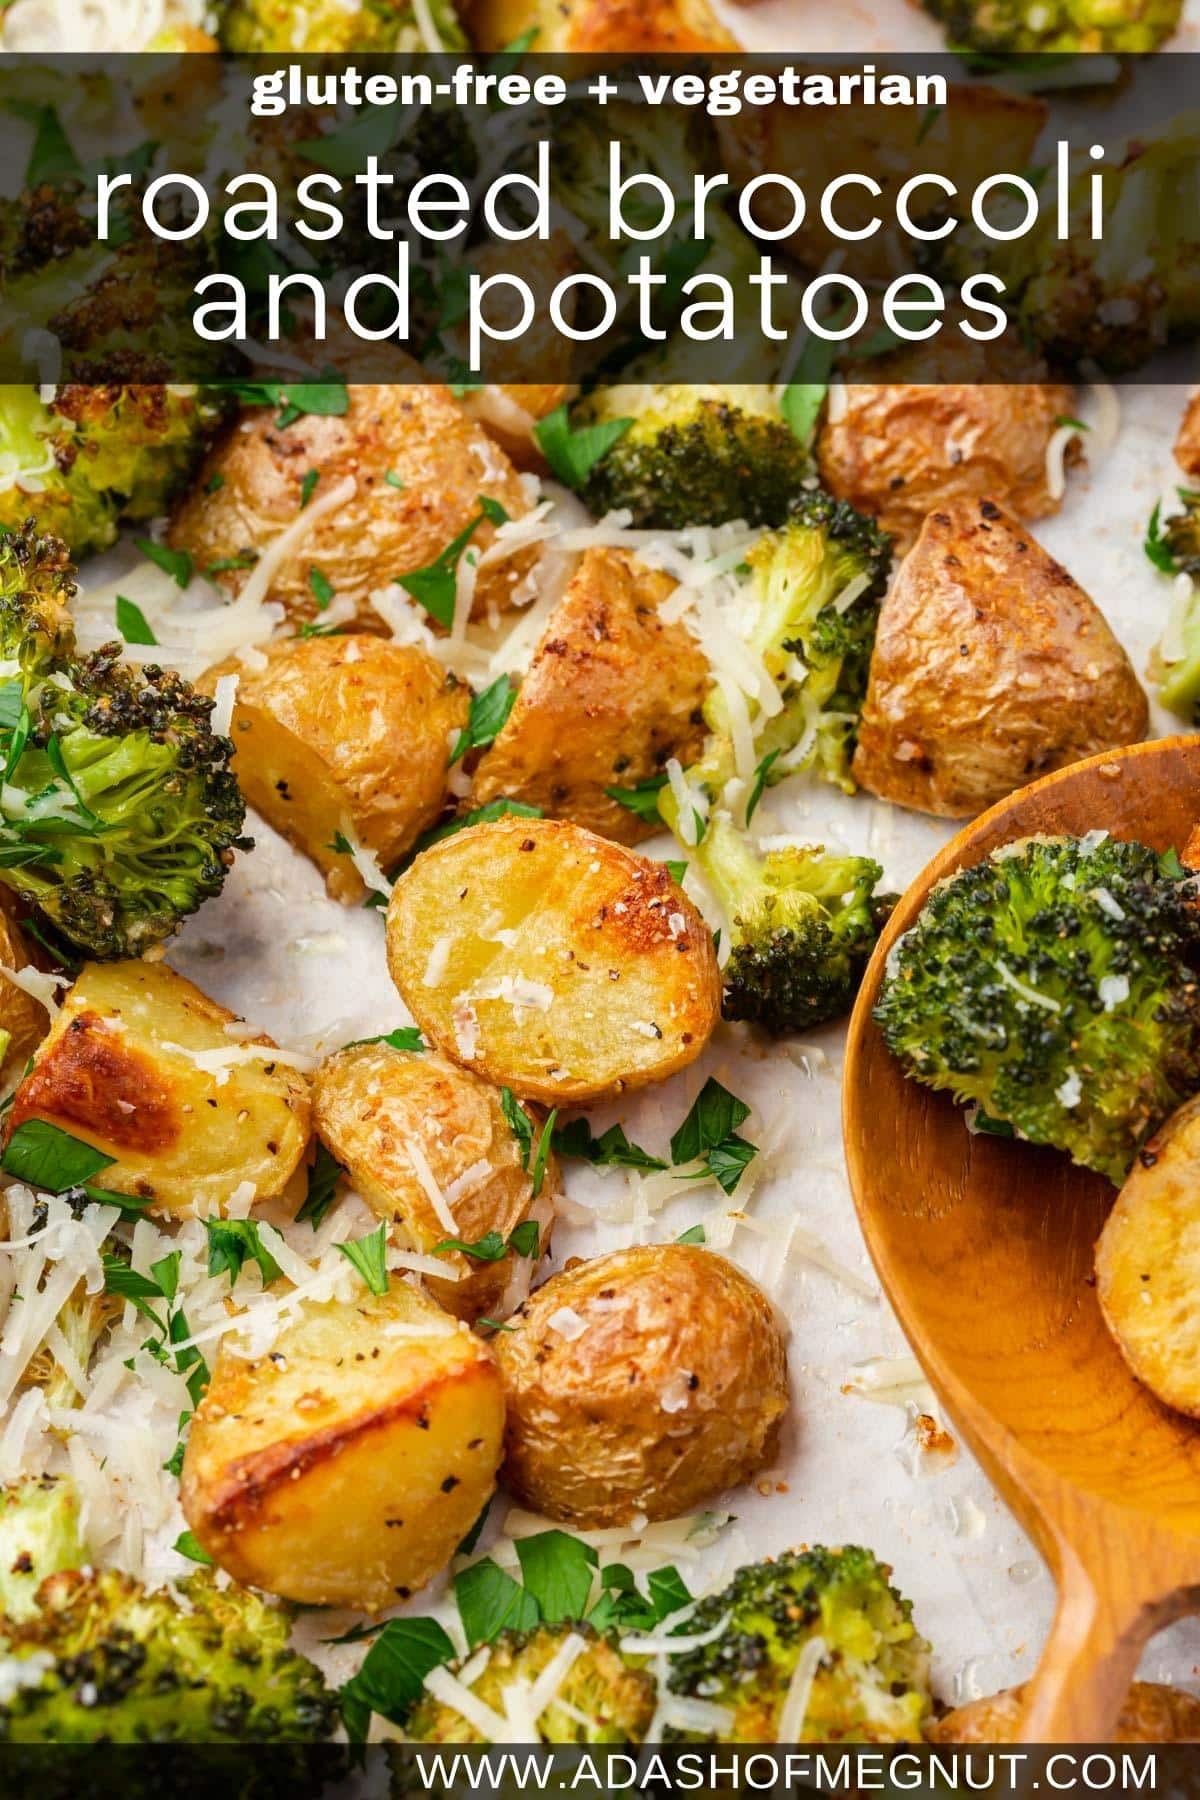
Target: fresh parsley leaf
344	152
480	815
392	1677
215	483
405	1037
1075	424
51	1159
760	783
233	1242
557	1570
1170	867
393	480
641	800
490	1601
695	1234
489	1248
322	1185
324	399
676	869
139	1290
175	563
929	119
188	1544
572	455
801	403
476	1532
488	715
1155	545
166	1272
612	1146
369	1256
308	487
51	156
224	564
518	1123
668	1591
320	587
524	1238
492	510
538	1170
435	586
714	1116
494	1324
727	1161
132	623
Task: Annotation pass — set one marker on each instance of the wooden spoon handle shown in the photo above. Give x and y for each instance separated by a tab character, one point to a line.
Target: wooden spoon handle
1088	1663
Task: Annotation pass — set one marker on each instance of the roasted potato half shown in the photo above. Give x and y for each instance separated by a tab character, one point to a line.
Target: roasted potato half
899	450
1187	444
24	1021
344	738
344	1468
599	25
1148	1263
612	693
991	667
1152	1714
418	465
551	961
400	1122
140	1064
643	1381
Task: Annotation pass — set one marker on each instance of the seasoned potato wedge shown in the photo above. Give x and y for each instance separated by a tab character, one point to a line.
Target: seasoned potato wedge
643	1381
611	693
140	1064
1148	1263
374	1106
1152	1714
600	26
418	465
552	961
991	666
344	1468
344	735
24	1021
899	450
1187	444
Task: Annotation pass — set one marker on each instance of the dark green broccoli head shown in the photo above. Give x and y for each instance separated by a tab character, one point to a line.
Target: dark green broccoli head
1052	986
870	1675
1180	533
119	810
600	1699
39	1536
804	924
695	454
110	1662
37	585
1058	26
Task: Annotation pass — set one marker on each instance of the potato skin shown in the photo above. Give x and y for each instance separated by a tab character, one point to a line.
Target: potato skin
114	1072
345	1467
675	1388
1187	444
345	730
418	433
991	667
612	692
624	26
900	450
24	1018
1148	1263
1152	1714
370	1100
620	979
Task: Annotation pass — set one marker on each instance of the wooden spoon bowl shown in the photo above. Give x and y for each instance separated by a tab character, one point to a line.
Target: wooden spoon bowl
985	1249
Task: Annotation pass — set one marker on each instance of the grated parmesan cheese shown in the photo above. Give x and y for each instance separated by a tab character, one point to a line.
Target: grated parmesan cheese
428	1181
794	1710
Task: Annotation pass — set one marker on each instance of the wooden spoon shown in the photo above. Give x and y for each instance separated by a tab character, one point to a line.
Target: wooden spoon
985	1249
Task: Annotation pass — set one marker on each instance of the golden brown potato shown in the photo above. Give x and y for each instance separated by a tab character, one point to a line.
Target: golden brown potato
440	461
140	1064
344	1468
599	26
900	450
1187	444
551	961
344	735
643	1381
1148	1263
611	693
1152	1714
24	1021
374	1104
991	666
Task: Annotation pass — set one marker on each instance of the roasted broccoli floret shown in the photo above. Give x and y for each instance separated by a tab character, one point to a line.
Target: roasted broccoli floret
695	455
592	1695
82	1321
1056	26
39	1536
1175	661
803	924
1052	986
107	1661
1180	533
835	1608
119	810
268	26
1113	301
